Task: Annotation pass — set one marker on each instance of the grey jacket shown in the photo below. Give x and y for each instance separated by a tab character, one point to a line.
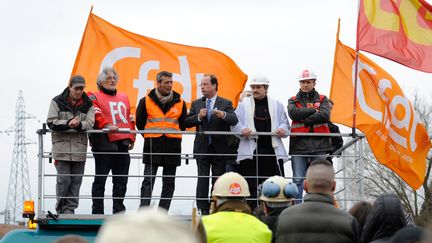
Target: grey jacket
69	146
316	220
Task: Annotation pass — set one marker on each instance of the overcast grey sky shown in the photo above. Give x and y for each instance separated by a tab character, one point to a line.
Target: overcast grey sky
40	39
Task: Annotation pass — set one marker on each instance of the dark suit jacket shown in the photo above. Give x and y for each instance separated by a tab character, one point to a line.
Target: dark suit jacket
220	142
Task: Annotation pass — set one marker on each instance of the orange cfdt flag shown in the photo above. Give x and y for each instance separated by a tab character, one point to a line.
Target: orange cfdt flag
398	30
393	130
138	59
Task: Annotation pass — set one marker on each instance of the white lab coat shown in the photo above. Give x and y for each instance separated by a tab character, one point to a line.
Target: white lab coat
245	114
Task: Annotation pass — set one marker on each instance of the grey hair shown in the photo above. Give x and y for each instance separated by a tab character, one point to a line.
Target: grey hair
103	75
162	74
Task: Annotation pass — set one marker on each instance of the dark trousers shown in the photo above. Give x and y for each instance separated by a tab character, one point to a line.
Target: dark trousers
204	164
230	167
168	185
118	164
281	167
263	166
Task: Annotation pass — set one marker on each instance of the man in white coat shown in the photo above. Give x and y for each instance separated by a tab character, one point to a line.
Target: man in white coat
260	157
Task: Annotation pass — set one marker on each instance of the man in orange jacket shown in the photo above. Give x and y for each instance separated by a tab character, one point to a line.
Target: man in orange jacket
161	109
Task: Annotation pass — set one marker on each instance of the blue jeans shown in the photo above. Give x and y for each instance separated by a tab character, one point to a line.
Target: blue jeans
299	165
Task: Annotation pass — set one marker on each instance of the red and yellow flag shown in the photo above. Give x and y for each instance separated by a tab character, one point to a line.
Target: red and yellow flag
394	132
398	30
138	59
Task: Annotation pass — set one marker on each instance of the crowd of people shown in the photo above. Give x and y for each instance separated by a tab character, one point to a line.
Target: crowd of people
255	157
250	199
277	218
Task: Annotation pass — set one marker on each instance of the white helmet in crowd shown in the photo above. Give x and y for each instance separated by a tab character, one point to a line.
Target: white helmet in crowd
277	189
259	80
231	184
154	224
307	75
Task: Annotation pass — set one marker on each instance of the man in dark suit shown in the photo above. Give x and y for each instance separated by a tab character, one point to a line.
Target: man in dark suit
210	113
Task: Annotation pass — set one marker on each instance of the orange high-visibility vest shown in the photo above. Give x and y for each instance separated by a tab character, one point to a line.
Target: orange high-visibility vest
157	120
298	126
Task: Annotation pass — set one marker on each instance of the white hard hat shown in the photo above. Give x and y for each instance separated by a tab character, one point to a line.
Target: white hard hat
231	184
278	189
306	75
259	80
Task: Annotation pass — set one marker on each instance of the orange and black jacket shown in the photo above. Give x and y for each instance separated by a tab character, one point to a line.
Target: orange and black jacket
164	143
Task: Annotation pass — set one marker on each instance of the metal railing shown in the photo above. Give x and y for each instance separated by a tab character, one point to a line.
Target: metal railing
187	157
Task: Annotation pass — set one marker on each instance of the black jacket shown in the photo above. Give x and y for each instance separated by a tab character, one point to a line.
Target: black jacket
309	145
161	144
316	220
337	142
384	220
220	143
271	219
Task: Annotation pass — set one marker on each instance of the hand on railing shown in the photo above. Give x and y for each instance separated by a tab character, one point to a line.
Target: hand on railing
113	128
246	132
280	132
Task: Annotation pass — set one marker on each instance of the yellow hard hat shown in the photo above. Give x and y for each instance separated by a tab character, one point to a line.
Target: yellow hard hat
231	184
278	189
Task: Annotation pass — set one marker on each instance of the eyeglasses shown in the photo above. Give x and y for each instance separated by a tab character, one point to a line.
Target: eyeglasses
271	189
111	79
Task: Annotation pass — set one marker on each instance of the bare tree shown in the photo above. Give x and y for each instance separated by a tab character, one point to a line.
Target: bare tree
379	179
424	111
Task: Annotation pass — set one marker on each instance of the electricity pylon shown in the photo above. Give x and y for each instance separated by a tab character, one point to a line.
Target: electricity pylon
19	184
